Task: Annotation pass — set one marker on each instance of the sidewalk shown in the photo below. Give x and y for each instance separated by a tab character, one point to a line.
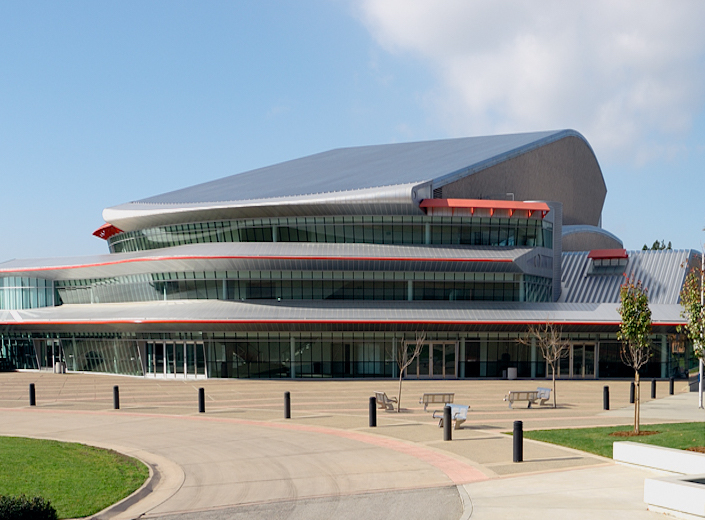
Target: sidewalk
243	453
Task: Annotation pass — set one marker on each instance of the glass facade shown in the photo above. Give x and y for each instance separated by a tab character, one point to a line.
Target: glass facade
330	355
474	231
18	292
306	285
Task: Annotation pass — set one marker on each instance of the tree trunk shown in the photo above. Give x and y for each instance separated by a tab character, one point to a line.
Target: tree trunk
637	398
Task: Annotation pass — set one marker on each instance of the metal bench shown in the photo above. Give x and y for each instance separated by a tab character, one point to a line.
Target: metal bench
436	398
540	396
384	402
458	413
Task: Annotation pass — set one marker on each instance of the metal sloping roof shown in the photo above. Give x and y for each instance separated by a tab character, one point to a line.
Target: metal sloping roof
661	272
381	179
356	168
199	313
271	255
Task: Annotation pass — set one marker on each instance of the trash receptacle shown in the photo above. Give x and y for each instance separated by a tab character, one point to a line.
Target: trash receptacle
511	373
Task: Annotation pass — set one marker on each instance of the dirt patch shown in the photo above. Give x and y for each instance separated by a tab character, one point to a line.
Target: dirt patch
699	449
632	434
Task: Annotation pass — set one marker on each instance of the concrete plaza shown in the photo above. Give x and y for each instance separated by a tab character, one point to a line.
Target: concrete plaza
242	459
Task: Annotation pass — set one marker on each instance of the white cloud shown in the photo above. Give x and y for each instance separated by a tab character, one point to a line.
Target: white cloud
627	74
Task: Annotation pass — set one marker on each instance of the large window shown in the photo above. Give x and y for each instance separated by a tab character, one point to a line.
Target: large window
475	231
19	292
305	285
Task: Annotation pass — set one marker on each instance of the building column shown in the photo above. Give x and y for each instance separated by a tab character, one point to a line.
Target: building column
410	290
275	234
460	360
664	356
483	357
533	358
293	357
395	365
427	233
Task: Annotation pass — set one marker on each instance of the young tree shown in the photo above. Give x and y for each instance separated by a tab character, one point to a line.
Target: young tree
694	313
404	358
634	333
548	338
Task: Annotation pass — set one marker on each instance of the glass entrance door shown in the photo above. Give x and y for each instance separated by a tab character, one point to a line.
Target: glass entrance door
579	363
182	360
437	360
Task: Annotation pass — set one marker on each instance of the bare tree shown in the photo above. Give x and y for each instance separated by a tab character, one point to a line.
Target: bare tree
549	339
404	358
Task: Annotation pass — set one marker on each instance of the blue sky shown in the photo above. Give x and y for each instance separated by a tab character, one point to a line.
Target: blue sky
107	102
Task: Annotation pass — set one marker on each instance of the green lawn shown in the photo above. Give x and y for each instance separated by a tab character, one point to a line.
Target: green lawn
79	480
599	441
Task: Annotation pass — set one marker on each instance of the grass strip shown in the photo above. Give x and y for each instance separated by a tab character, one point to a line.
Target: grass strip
78	480
598	440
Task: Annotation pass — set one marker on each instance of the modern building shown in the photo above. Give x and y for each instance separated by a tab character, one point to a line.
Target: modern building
321	267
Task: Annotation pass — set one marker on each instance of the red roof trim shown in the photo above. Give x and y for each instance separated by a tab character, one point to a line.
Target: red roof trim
258	257
515	205
603	254
106	231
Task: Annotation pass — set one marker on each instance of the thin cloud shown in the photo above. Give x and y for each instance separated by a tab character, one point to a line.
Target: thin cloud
629	75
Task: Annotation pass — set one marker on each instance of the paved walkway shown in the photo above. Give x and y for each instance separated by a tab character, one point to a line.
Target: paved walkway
242	459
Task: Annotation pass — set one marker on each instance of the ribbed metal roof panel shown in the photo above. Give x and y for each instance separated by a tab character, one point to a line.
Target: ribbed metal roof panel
661	272
347	169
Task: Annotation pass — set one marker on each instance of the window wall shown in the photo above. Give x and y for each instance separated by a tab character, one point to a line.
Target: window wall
474	231
306	285
320	355
18	292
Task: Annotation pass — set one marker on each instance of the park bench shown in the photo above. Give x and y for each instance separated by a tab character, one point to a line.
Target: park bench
540	396
384	402
436	398
458	413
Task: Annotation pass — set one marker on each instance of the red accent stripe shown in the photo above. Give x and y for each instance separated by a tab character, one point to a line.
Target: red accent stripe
258	257
602	254
516	205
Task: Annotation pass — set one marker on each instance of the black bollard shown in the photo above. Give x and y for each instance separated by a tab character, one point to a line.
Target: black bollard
287	405
201	400
606	398
116	398
447	424
518	441
631	393
653	389
373	412
32	395
670	386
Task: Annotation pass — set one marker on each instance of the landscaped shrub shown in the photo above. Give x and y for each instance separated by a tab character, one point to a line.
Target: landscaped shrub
26	508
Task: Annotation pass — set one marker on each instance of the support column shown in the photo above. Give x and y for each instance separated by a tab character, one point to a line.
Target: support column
275	234
483	357
460	360
533	358
225	289
293	357
427	233
395	366
664	356
410	290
